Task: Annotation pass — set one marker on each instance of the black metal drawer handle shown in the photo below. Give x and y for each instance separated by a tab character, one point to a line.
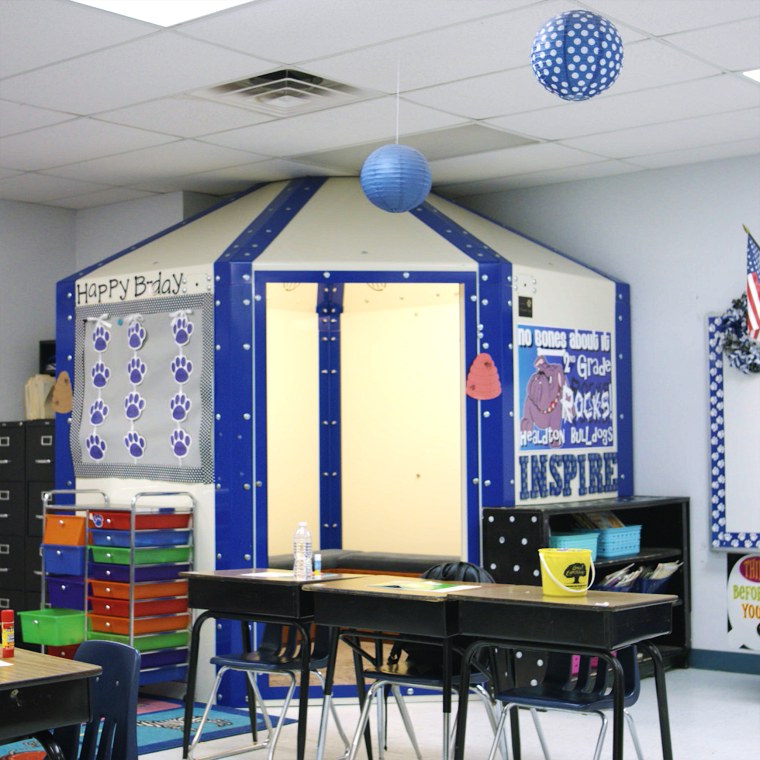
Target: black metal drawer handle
43	461
5	461
5	569
4	516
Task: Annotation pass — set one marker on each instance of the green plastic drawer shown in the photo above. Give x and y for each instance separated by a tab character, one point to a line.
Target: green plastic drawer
52	626
152	555
146	643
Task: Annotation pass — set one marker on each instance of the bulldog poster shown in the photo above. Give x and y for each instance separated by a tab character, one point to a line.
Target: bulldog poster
565	396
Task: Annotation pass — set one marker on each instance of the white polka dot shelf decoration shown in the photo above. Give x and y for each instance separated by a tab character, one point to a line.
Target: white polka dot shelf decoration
577	55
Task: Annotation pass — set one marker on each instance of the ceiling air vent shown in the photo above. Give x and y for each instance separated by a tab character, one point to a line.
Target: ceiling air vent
285	92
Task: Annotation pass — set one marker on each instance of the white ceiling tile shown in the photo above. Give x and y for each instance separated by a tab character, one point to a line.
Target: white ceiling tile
101	198
72	141
18	117
659	17
322	130
36	188
430	58
703	153
724	92
676	135
152	163
487	96
547	177
298	30
35	33
184	116
152	67
735	46
527	158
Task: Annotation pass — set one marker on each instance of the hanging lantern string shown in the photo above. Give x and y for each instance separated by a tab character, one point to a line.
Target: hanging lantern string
398	96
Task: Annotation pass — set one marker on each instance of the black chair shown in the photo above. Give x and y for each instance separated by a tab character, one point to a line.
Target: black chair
421	668
278	653
575	684
112	732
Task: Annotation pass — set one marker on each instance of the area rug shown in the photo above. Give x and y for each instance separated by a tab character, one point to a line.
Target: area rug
159	727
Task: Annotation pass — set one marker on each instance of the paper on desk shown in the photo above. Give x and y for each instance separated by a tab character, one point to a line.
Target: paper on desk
426	585
2	664
268	574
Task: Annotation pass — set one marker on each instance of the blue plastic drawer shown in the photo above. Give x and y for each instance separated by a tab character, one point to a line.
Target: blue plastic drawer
65	591
63	560
121	538
120	573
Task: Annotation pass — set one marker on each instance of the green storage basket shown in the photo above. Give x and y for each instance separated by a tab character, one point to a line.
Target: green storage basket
147	642
52	627
152	555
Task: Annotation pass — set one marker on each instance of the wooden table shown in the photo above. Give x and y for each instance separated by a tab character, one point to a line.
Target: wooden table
379	606
595	624
39	693
258	595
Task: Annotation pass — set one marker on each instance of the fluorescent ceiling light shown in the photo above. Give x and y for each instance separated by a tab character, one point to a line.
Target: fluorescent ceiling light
753	74
163	12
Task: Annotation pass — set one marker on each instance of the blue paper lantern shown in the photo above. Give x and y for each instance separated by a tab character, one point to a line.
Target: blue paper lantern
395	178
577	55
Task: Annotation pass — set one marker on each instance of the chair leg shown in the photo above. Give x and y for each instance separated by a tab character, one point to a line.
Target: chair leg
602	734
359	732
498	731
405	717
634	734
333	711
485	698
380	706
539	731
209	703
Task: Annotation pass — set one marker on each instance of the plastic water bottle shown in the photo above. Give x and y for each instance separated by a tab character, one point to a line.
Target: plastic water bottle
302	568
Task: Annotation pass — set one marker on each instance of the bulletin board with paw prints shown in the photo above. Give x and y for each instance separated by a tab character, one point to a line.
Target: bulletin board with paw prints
142	390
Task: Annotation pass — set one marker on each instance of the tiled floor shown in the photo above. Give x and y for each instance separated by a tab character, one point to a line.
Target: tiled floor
712	715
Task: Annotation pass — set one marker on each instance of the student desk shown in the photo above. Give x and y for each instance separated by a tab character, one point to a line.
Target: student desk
258	595
596	624
379	606
39	693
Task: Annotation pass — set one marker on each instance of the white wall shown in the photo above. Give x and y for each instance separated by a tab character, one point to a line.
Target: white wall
676	236
36	250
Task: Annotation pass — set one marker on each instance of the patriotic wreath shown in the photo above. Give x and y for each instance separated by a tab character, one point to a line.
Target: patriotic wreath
741	351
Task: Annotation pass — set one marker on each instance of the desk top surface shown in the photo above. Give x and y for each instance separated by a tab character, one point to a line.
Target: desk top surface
260	575
394	586
533	595
27	668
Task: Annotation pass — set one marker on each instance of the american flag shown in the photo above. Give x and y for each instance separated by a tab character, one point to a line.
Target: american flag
753	288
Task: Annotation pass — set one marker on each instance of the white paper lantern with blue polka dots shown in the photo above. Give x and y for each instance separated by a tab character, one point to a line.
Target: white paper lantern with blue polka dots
395	178
577	55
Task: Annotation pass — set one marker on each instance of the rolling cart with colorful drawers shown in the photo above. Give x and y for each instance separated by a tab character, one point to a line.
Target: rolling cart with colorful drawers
131	573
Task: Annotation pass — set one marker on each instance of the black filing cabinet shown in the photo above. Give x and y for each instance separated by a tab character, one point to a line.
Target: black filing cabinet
26	472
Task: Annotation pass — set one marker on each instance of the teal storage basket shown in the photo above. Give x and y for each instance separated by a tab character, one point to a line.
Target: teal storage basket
619	542
576	540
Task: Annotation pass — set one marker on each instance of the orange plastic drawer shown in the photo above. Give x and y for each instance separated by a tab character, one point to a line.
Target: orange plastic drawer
154	520
111	590
109	624
64	529
120	607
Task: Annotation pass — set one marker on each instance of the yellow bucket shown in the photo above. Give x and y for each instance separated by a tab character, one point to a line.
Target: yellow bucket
566	572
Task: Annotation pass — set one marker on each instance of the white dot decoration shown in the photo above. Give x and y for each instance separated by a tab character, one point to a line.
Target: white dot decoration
577	55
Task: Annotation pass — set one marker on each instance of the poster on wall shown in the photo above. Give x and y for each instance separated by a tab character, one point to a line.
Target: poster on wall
743	601
565	397
142	390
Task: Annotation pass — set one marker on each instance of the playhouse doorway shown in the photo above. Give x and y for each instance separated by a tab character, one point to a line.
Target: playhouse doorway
399	452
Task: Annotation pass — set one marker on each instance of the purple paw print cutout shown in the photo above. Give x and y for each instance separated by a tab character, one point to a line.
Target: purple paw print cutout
182	329
180	406
136	370
135	444
136	336
96	447
134	404
181	368
98	412
100	374
100	338
180	442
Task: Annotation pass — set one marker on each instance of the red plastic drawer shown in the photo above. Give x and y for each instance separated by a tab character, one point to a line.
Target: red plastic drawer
120	520
67	652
